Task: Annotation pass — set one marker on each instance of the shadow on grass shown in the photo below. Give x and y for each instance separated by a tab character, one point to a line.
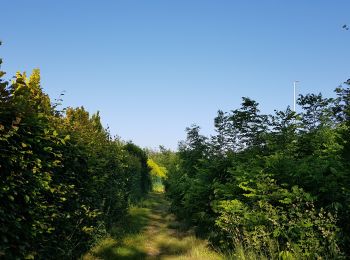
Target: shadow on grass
110	250
122	243
172	248
133	223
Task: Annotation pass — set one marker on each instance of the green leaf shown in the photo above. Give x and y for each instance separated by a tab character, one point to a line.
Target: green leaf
30	256
286	201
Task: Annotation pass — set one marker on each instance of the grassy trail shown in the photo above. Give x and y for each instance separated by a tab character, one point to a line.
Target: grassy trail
151	233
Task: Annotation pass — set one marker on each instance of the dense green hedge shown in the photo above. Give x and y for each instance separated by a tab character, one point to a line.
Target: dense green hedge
63	179
274	186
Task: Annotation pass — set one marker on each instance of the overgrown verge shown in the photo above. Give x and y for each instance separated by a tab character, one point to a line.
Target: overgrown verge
63	178
269	186
151	232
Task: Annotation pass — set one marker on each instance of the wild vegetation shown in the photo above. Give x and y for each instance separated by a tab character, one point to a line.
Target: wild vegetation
263	187
64	179
269	186
151	232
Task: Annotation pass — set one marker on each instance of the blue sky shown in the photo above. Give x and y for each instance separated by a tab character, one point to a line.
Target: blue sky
152	68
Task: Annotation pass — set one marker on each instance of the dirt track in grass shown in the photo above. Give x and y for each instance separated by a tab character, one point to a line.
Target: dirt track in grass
151	232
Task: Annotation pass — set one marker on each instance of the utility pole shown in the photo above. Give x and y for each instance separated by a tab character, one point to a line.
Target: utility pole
294	101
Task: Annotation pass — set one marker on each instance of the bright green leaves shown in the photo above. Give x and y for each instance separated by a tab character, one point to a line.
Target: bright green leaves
26	198
246	188
28	95
156	170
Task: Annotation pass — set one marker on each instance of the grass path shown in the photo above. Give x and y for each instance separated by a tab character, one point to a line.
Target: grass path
151	233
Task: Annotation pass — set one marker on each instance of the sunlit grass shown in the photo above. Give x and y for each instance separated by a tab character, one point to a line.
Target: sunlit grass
158	187
151	232
187	248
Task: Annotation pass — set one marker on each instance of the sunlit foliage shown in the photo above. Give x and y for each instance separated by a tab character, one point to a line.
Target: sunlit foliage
63	179
156	170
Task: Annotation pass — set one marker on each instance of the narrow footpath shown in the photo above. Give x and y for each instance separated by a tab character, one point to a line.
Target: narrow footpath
152	233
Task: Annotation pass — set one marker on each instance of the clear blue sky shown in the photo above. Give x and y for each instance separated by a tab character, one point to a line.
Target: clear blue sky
153	68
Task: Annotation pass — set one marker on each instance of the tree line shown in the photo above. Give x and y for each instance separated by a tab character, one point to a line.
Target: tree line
64	180
268	186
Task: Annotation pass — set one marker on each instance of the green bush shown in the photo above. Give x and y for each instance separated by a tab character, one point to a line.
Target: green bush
269	186
271	221
63	178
